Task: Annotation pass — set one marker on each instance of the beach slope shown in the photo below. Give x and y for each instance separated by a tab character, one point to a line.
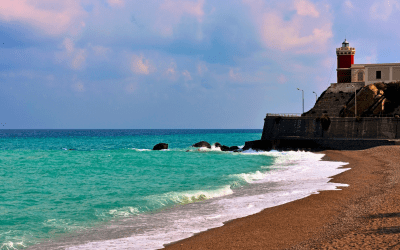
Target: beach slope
365	215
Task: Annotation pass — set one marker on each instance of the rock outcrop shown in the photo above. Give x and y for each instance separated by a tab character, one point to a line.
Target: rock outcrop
202	144
160	146
225	148
378	99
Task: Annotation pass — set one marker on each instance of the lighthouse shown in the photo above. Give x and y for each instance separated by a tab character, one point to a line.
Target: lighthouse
345	58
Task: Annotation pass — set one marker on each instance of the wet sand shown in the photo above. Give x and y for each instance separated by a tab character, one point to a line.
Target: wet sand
365	215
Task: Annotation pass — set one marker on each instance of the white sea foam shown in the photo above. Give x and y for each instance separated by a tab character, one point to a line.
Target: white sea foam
202	195
124	211
213	148
190	196
294	175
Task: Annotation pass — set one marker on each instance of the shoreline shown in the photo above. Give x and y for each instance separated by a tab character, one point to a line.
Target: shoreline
362	215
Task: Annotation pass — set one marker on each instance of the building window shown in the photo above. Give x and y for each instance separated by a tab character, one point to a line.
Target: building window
360	76
378	74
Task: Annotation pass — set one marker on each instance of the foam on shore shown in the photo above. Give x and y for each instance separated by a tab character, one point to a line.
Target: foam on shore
294	175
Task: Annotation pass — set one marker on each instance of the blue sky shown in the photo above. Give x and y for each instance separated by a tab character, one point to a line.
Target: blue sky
178	63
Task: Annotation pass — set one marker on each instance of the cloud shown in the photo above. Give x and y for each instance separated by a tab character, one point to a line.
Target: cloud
75	56
51	17
79	59
140	65
100	50
382	10
170	13
307	31
306	8
181	7
116	3
328	62
201	68
348	5
186	75
282	79
235	76
171	72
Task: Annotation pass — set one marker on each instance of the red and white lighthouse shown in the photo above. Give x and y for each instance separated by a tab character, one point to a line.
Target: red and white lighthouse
345	58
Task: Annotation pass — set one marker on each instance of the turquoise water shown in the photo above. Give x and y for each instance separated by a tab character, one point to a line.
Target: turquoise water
48	191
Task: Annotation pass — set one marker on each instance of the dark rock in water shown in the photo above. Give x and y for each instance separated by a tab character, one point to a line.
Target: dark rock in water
217	145
237	150
225	148
202	144
233	148
160	146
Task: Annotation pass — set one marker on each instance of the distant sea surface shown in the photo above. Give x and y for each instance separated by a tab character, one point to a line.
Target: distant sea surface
106	189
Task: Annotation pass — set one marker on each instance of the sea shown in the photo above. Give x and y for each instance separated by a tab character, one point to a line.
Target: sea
107	189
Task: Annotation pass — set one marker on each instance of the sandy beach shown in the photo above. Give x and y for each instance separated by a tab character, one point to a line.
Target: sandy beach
365	215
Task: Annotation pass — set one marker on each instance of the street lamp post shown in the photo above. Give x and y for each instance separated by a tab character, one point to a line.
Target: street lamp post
316	96
302	96
355	100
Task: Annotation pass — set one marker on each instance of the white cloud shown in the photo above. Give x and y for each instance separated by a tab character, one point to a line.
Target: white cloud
76	57
306	8
51	17
116	3
308	31
182	7
382	10
171	69
235	76
171	72
201	68
170	13
79	59
140	65
348	5
186	75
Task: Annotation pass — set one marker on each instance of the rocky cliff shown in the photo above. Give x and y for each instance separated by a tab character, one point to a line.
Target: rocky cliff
379	99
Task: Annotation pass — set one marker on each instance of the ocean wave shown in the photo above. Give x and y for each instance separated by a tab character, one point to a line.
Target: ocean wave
292	176
187	197
12	245
62	225
194	196
123	212
251	177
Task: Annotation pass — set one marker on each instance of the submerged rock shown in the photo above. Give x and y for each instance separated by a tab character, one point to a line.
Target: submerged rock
202	144
160	146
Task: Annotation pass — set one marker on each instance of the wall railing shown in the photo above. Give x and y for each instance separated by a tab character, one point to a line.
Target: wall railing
285	114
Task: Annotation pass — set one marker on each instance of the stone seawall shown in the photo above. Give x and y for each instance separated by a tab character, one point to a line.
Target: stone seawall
309	133
276	127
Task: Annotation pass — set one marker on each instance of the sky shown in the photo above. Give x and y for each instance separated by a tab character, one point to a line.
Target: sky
178	64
